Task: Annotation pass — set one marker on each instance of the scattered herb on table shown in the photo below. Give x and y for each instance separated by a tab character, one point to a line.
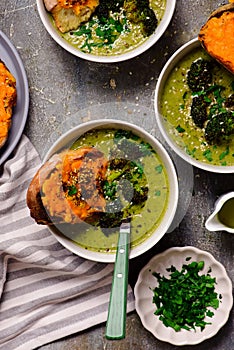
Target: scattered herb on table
183	300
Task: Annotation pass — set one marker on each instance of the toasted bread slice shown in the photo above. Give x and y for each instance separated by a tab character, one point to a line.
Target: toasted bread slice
67	188
69	14
217	35
8	97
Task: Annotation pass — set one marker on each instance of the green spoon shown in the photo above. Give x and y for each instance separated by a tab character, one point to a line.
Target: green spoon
116	320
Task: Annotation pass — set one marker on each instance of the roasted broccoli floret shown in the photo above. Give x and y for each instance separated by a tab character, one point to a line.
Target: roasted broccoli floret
229	103
125	187
105	6
140	195
121	133
139	11
219	127
199	111
126	147
199	76
117	163
130	149
110	220
133	184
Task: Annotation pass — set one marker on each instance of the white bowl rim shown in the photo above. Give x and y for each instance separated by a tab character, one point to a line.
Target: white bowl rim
169	11
164	225
183	50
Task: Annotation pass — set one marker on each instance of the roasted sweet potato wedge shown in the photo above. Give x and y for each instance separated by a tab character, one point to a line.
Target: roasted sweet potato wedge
67	188
7	101
217	35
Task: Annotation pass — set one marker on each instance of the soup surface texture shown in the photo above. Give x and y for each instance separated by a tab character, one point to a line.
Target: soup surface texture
175	107
149	174
225	215
117	36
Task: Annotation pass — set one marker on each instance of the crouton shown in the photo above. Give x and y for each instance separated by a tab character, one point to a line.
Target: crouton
69	14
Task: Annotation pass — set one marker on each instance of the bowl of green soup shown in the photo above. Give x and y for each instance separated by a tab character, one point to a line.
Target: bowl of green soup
109	31
194	108
140	184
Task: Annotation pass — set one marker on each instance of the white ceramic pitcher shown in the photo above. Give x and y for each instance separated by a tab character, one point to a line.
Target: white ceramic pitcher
215	221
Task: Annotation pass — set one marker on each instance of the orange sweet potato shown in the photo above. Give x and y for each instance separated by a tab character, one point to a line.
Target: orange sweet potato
67	188
217	35
7	101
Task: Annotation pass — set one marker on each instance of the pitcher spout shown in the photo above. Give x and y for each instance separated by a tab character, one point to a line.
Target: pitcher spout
222	217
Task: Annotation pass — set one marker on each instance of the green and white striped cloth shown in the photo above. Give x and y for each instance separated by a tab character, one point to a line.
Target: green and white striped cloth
46	292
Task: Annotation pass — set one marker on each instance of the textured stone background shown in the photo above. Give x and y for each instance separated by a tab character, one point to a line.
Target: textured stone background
61	85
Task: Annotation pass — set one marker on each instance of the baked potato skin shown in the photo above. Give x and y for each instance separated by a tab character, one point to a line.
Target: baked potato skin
217	35
33	198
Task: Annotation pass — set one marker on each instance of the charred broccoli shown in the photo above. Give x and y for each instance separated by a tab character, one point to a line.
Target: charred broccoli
199	110
125	187
199	76
140	195
105	6
117	163
127	134
219	127
229	103
139	11
126	147
108	222
132	184
130	149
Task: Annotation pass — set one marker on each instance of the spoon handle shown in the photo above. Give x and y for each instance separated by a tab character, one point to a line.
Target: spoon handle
116	321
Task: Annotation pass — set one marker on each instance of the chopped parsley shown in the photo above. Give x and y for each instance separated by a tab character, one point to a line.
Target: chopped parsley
224	154
208	155
180	129
72	190
106	32
183	300
159	168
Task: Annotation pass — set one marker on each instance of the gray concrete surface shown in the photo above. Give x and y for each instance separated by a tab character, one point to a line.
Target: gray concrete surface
61	85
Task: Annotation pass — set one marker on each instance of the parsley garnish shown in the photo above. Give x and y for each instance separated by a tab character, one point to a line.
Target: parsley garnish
105	31
72	190
208	155
180	129
191	152
159	168
183	299
224	154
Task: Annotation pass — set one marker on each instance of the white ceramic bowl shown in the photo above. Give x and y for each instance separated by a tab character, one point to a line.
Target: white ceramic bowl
146	282
167	130
66	140
162	26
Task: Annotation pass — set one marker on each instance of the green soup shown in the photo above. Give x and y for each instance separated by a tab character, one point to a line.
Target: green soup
226	214
175	107
146	216
125	36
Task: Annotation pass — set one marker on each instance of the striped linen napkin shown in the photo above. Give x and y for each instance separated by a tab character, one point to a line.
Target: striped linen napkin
46	292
